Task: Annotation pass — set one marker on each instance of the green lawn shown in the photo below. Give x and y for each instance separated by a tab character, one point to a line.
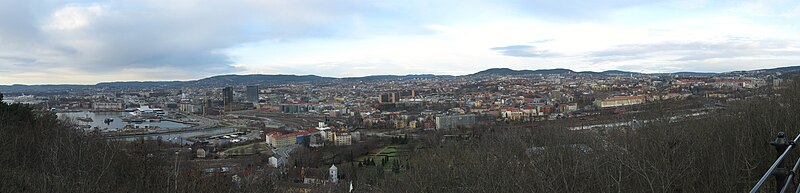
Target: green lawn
212	134
247	149
390	152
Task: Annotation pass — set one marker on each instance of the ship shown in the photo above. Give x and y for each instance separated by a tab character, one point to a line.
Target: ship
146	111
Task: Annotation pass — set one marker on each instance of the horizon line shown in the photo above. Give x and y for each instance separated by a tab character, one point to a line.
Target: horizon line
345	77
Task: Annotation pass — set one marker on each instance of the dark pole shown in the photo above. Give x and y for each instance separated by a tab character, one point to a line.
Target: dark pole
780	172
176	170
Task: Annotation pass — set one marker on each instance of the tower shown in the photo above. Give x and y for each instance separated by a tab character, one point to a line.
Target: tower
252	94
334	174
227	97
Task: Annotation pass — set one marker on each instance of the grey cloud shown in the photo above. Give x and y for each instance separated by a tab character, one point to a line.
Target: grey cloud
718	56
148	34
697	51
709	66
524	51
17	59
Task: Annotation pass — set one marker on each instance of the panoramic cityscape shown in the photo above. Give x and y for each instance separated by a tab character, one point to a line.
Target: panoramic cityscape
389	96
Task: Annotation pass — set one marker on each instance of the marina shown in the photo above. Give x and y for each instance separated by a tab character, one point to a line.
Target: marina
113	121
180	137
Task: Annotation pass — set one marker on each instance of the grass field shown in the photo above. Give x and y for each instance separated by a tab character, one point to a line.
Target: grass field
252	148
392	152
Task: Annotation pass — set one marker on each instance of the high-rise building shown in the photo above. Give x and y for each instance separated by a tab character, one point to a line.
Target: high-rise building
227	97
388	98
252	94
454	121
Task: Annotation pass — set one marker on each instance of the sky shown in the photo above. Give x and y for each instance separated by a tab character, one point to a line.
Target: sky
88	41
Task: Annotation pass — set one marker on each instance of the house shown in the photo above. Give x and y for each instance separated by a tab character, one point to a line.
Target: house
273	162
306	175
201	153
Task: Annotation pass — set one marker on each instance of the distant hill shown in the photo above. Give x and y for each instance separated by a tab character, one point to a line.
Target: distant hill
692	73
783	69
618	72
139	83
263	79
506	71
256	79
410	76
221	80
38	88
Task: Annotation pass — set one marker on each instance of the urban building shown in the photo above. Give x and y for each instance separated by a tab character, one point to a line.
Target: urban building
276	139
388	98
342	139
107	106
252	94
227	97
189	107
294	108
617	101
453	121
334	174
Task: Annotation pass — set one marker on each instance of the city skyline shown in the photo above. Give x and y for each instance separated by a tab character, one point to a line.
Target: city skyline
85	42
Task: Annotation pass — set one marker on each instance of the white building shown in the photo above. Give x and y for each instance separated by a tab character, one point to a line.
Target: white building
107	106
146	111
273	162
334	174
342	139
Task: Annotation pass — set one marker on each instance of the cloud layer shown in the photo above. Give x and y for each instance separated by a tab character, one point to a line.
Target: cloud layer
87	41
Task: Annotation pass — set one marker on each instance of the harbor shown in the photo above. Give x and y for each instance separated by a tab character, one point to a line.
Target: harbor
117	121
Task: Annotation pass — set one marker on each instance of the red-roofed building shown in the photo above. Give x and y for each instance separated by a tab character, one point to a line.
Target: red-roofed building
620	101
733	83
276	139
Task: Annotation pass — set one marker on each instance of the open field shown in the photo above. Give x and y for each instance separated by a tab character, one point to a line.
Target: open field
248	149
392	152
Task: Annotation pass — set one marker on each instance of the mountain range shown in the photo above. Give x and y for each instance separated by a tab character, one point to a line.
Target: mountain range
263	79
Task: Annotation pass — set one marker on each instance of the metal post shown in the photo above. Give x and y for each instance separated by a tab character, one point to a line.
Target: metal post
780	172
176	170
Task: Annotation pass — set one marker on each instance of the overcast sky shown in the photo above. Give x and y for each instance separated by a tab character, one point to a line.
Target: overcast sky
85	41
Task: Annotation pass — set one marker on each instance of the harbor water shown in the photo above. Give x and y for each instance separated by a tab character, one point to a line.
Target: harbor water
98	120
